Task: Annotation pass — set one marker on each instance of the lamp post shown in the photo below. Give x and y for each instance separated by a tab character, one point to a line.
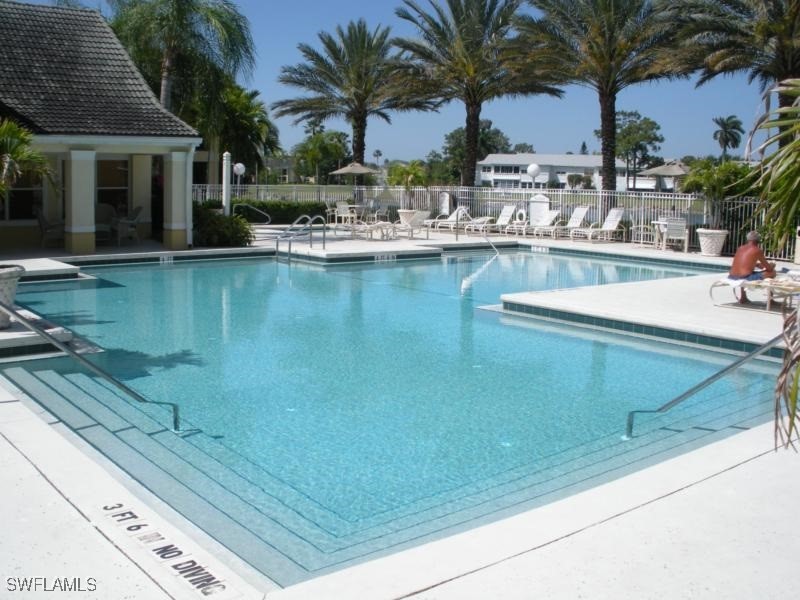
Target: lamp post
533	170
238	170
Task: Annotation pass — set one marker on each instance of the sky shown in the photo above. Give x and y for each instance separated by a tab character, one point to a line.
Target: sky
551	125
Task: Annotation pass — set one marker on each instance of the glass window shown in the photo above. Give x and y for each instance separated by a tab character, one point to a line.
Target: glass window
22	200
112	184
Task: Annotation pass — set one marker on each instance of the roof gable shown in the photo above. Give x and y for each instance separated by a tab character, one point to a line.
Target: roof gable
64	72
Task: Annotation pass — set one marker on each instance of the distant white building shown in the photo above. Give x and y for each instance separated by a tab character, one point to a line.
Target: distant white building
511	170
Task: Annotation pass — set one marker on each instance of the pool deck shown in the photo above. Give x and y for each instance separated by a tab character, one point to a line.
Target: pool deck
718	522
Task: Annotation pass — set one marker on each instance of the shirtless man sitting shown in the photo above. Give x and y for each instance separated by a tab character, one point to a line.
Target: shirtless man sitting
749	263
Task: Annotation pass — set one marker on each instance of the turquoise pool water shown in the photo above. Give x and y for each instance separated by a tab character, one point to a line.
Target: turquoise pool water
360	408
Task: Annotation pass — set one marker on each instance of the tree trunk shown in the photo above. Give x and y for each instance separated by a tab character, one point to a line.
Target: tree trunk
608	141
472	130
166	80
359	143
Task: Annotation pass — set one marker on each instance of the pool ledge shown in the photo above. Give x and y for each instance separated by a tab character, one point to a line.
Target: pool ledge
678	310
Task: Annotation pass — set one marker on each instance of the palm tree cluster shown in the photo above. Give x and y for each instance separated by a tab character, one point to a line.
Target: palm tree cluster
474	51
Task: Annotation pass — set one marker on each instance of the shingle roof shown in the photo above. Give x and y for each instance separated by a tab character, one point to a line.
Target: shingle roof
63	71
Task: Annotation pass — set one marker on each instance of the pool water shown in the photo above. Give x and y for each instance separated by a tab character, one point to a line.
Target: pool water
378	405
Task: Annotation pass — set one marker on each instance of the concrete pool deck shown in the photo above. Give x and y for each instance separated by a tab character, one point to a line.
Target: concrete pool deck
715	523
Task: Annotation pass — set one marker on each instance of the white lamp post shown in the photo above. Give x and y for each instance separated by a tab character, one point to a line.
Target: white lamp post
238	170
533	170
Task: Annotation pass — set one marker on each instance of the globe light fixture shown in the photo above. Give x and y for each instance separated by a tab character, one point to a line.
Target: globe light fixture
533	170
238	170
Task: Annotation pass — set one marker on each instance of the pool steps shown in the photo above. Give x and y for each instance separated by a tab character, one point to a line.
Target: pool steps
249	511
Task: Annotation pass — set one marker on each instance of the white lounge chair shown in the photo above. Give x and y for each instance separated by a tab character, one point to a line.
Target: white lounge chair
457	218
410	222
546	219
606	231
480	225
575	221
519	224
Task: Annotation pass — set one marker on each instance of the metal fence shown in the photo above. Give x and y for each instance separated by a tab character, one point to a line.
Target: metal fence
641	208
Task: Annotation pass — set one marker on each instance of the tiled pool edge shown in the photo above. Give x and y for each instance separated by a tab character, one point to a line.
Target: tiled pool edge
629	327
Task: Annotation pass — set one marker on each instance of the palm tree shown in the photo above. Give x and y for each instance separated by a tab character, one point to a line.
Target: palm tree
209	33
462	54
17	155
351	77
757	37
377	156
606	45
729	134
777	183
244	127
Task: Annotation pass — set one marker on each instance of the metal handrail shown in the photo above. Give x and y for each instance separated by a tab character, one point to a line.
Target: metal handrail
702	385
176	424
291	233
251	207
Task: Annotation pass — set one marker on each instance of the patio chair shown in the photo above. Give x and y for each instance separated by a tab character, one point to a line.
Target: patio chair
48	230
675	231
610	227
644	235
128	226
504	219
576	220
104	217
344	214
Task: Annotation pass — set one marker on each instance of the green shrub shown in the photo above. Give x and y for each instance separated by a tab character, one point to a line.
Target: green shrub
213	229
281	212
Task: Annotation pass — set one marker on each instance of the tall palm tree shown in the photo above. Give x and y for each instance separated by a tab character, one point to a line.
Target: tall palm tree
757	37
350	77
606	45
462	54
729	133
17	155
209	32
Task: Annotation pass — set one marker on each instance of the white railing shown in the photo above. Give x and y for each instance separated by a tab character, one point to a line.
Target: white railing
641	208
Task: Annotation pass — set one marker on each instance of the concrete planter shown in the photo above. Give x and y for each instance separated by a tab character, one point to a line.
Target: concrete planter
711	241
9	276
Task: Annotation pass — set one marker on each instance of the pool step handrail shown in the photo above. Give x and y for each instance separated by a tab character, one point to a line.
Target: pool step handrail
700	386
251	207
301	227
30	326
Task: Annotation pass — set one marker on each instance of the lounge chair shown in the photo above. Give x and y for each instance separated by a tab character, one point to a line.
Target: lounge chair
575	221
519	224
546	219
457	218
610	227
410	222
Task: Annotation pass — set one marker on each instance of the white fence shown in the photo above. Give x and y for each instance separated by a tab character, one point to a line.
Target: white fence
738	215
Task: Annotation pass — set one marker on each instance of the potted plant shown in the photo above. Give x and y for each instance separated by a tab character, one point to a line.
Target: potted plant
715	182
9	276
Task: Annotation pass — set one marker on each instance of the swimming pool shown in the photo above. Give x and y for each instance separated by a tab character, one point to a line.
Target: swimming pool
349	411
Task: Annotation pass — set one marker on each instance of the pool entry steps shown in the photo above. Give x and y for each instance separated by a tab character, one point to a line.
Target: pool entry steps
290	537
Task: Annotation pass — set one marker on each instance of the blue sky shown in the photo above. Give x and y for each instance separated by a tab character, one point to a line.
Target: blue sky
551	125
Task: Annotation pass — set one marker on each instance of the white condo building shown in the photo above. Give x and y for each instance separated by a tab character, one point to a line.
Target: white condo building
511	170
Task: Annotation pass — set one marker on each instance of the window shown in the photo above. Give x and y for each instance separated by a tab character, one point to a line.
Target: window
112	184
22	200
486	169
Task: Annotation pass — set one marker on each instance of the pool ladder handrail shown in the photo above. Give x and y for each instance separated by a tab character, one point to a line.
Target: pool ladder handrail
700	386
302	226
251	207
176	421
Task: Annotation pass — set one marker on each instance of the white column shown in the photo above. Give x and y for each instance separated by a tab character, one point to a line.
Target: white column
175	200
81	184
189	199
226	183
